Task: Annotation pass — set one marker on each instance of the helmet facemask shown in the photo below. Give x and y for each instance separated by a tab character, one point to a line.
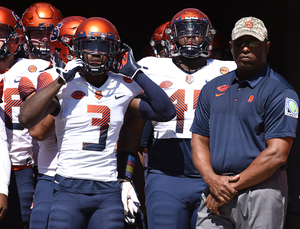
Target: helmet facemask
37	48
11	37
97	54
188	31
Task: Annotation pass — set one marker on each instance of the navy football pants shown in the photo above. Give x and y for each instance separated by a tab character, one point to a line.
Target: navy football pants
21	191
91	211
42	202
172	202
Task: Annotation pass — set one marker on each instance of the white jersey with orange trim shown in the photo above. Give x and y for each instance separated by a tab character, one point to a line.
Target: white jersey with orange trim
19	140
47	156
183	89
88	125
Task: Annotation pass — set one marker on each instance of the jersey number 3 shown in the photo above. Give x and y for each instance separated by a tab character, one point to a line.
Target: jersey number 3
103	123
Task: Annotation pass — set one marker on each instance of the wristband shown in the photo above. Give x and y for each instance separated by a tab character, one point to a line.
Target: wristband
125	165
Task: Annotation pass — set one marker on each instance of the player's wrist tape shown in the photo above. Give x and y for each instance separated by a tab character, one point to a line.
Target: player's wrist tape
125	165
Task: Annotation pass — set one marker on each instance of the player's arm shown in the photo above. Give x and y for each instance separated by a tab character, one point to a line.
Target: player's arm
43	102
129	166
44	128
156	105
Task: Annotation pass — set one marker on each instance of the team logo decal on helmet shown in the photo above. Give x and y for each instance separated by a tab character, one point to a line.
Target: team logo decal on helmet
55	32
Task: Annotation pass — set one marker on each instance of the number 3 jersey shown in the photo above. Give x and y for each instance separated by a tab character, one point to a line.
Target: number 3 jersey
88	123
171	150
19	139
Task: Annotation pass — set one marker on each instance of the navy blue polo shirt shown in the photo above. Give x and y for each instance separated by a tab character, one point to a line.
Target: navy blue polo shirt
238	117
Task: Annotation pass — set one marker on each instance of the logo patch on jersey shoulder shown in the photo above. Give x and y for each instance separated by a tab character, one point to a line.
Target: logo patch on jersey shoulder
224	70
166	84
223	88
78	94
291	108
127	79
32	68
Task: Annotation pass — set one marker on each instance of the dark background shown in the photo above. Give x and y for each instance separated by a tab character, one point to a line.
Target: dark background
137	20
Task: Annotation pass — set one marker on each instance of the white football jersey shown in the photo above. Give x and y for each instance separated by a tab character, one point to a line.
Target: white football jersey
19	140
88	126
47	156
183	89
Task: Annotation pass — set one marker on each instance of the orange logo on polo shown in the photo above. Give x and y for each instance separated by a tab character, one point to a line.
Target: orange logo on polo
32	68
251	97
224	70
222	88
217	95
249	24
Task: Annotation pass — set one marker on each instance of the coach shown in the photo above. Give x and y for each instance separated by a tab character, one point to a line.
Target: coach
244	126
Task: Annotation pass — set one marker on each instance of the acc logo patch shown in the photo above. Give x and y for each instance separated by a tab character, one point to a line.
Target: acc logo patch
32	68
224	70
291	108
166	84
78	94
223	88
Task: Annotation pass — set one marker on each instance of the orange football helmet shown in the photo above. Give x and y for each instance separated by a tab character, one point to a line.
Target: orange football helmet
159	41
13	30
39	16
188	24
96	36
61	38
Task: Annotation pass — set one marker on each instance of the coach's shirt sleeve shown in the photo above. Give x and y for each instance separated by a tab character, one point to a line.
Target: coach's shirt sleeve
281	117
200	123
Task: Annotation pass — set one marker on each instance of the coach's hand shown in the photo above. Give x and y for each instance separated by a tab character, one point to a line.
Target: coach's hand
68	73
130	202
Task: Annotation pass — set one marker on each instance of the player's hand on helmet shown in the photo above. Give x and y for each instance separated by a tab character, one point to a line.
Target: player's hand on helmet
126	64
68	73
130	202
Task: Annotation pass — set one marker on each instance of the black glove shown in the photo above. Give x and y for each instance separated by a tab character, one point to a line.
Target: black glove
126	63
68	73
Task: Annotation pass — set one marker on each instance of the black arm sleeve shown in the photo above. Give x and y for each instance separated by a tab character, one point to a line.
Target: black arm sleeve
156	105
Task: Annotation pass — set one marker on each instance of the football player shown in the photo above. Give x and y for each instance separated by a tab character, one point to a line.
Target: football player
159	41
173	185
89	102
61	52
11	38
20	142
